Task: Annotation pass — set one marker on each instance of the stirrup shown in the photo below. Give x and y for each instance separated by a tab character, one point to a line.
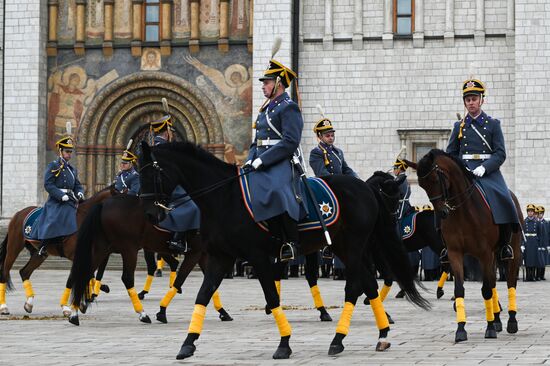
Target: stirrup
326	253
283	253
507	249
43	251
444	256
178	246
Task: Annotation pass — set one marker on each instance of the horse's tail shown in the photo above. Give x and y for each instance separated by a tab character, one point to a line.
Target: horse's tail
3	253
396	258
82	271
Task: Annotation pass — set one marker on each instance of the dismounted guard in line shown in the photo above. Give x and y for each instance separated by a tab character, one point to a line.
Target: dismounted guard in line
327	159
127	179
478	141
274	185
543	245
58	218
532	229
184	215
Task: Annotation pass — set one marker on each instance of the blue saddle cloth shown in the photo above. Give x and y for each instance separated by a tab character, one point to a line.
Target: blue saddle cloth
408	225
325	201
29	227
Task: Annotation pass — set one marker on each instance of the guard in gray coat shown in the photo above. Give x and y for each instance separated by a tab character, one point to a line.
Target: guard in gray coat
127	179
58	218
478	141
274	185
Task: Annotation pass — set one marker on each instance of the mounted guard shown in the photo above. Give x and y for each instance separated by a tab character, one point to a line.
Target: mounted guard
58	218
127	179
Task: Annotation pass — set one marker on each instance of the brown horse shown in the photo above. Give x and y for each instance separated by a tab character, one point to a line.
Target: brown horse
14	243
119	225
467	227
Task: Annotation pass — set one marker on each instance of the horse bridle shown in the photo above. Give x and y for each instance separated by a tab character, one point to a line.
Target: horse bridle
442	178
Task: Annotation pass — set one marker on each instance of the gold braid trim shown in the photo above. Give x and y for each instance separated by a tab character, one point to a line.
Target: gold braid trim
58	170
325	155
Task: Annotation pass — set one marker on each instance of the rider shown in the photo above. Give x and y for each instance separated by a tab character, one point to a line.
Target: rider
127	180
478	141
327	159
58	218
274	186
399	169
184	214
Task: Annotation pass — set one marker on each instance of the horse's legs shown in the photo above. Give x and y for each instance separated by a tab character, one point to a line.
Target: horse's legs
512	278
99	276
14	244
151	267
312	272
64	300
489	283
216	269
496	310
216	299
34	262
457	264
129	260
444	275
173	263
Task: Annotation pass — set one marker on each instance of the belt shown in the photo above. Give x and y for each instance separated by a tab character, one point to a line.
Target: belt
66	190
476	156
268	142
530	234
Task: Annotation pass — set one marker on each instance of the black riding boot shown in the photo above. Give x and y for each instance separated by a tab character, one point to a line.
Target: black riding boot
444	256
506	253
43	250
178	243
285	228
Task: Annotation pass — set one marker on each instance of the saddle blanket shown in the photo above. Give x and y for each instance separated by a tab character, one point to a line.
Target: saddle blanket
325	201
408	225
29	224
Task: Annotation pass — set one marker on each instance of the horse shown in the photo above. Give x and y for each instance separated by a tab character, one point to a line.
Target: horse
456	198
231	232
105	230
15	242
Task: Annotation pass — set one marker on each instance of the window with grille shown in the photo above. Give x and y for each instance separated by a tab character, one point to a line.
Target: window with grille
403	17
151	21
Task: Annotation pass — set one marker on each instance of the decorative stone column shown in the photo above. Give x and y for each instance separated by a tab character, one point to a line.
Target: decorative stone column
418	35
195	30
51	46
449	35
80	27
387	36
250	27
510	22
166	31
108	20
479	34
223	41
137	6
357	40
328	37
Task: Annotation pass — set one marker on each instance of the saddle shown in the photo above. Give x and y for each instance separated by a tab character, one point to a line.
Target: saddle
408	225
29	224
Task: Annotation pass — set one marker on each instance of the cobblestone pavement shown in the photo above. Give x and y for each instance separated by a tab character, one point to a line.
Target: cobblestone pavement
110	333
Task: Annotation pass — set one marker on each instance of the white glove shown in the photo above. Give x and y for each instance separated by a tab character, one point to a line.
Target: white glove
65	198
256	163
479	171
80	196
522	248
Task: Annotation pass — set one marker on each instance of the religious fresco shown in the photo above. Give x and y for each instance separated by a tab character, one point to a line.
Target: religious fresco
123	19
238	19
95	27
151	59
181	28
66	21
210	18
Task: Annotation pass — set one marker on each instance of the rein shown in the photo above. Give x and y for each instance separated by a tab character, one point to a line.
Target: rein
445	192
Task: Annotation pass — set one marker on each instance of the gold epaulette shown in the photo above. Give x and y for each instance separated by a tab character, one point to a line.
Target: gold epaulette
58	170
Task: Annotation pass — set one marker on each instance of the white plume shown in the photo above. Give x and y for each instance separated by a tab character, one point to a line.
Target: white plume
276	46
165	105
321	110
472	68
129	145
69	127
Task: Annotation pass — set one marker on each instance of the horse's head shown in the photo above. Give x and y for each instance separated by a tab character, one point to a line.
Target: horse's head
388	188
156	183
437	173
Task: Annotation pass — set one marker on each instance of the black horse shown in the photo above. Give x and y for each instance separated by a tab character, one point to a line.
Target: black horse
231	232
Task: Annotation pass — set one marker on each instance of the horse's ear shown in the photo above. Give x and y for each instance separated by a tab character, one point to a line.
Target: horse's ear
412	164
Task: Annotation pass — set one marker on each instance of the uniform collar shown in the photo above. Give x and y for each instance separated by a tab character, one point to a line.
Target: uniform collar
277	100
326	146
479	120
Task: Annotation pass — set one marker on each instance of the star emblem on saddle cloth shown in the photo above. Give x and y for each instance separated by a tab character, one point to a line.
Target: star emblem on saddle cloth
28	229
407	229
325	209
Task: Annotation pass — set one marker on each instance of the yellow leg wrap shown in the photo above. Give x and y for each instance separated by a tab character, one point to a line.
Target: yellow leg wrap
172	279
317	299
65	297
97	287
282	323
148	282
2	293
168	297
489	315
197	319
512	305
160	263
29	292
217	301
379	313
384	292
460	310
496	306
138	307
278	286
345	319
442	279
91	286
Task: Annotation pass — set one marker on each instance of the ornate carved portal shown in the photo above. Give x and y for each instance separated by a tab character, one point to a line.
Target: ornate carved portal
122	111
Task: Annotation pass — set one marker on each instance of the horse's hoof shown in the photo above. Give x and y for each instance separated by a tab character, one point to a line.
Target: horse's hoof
282	353
141	295
83	307
66	311
498	325
4	310
382	346
453	298
186	351
267	310
335	349
461	336
390	320
144	318
366	301
28	307
490	332
512	327
440	292
105	288
325	317
224	315
158	273
161	317
74	320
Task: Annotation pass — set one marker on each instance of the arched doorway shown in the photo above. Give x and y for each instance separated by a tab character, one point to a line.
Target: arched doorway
123	109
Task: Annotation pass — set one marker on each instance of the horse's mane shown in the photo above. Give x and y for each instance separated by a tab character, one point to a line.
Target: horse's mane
379	175
426	163
195	151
